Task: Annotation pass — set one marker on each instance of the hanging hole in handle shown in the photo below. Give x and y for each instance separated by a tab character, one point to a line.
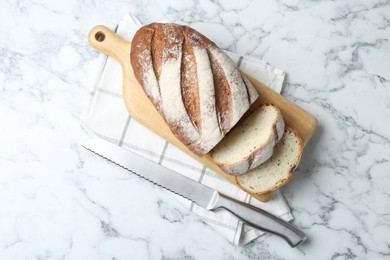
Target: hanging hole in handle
99	36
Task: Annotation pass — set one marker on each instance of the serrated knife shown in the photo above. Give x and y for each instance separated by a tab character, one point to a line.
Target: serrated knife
200	194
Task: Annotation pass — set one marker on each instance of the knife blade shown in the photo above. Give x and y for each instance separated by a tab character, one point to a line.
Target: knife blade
200	194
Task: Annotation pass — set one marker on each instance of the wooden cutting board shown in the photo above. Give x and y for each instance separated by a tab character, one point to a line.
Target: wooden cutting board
142	110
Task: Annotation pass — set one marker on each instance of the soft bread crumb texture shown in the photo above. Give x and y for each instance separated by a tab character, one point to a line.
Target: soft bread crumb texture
247	136
276	171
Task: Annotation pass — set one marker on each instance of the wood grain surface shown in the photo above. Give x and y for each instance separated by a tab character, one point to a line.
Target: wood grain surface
142	110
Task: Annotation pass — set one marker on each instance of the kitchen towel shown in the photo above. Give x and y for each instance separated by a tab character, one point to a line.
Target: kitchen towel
106	115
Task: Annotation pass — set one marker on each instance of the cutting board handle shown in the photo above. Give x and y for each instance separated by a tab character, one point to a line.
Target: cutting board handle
108	42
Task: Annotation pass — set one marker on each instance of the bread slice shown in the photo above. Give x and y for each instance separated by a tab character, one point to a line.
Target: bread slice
277	171
251	142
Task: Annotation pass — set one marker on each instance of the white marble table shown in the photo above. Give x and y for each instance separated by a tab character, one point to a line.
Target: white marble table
58	201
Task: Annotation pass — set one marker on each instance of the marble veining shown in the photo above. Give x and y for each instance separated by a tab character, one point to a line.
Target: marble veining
58	201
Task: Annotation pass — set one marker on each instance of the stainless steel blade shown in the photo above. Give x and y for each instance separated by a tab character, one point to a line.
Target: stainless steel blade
202	195
153	172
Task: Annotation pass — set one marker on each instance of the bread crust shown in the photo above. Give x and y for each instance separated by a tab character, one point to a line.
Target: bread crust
200	114
283	181
259	155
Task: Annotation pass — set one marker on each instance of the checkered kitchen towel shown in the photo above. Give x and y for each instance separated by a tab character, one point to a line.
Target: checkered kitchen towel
106	116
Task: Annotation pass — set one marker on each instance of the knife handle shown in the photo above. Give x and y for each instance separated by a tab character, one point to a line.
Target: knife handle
260	219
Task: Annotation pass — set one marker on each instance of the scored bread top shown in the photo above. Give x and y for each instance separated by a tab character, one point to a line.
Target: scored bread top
192	83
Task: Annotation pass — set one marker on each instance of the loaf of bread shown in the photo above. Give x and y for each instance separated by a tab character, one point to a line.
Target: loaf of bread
251	142
277	170
193	84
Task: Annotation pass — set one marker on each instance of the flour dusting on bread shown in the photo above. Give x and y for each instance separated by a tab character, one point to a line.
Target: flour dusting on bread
192	83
